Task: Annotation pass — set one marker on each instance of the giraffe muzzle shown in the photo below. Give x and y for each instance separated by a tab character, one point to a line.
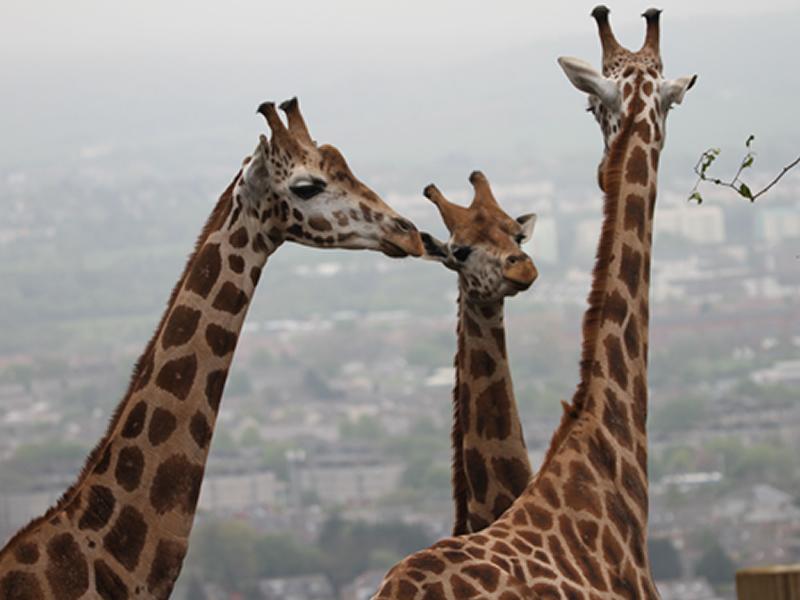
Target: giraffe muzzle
401	239
520	272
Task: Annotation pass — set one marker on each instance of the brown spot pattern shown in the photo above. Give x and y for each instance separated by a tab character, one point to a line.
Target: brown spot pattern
105	461
493	409
255	275
135	421
236	263
162	424
636	169
639	403
500	338
616	361
27	553
176	484
67	570
181	326
615	418
215	384
220	340
206	269
630	269
511	473
427	561
230	299
126	538
477	474
165	568
634	215
319	223
486	575
579	491
18	585
200	430
602	456
239	238
472	328
642	129
177	376
481	364
130	464
99	509
616	307
108	584
631	337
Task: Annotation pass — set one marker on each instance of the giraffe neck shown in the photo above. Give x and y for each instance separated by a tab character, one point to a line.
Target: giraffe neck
490	461
123	528
597	462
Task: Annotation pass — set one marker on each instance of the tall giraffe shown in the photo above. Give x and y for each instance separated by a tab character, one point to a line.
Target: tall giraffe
578	531
121	531
490	461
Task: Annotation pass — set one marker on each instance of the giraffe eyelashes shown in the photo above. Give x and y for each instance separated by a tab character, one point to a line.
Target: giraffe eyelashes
308	188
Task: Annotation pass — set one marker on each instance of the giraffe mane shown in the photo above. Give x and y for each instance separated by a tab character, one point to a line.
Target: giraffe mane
218	216
458	476
593	316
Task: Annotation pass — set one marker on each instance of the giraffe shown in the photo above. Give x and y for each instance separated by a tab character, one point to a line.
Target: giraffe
490	460
121	531
578	531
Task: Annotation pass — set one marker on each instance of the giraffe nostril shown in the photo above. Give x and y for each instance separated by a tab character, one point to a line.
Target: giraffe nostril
404	225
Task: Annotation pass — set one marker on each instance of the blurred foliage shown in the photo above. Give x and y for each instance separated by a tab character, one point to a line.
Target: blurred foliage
715	565
664	559
234	556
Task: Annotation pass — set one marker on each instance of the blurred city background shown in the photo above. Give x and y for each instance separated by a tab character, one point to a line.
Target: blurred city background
330	460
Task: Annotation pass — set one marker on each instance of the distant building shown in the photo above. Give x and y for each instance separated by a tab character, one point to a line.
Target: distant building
348	473
700	224
782	372
687	589
240	491
776	224
306	587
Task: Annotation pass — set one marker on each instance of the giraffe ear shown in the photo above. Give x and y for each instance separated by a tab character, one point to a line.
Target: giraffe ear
673	90
528	222
256	165
589	80
434	249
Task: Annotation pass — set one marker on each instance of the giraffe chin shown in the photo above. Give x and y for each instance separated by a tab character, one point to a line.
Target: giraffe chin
518	286
392	250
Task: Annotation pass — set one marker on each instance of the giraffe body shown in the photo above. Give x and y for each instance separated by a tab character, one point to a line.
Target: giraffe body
578	531
122	530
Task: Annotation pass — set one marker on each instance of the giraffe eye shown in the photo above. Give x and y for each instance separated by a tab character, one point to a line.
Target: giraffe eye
308	188
462	253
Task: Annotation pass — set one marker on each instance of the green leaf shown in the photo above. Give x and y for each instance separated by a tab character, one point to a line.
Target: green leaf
696	196
748	161
749	140
745	191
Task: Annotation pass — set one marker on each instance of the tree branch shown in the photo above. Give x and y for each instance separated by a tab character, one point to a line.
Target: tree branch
736	184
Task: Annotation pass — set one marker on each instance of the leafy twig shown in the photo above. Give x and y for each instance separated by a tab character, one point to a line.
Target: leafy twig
736	184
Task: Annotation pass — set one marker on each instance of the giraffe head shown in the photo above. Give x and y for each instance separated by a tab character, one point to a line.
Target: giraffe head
631	90
484	245
311	197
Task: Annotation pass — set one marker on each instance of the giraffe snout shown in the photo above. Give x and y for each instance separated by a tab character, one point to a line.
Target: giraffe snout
520	271
402	235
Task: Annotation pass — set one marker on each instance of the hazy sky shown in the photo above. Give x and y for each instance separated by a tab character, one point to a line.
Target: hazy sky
304	27
413	81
